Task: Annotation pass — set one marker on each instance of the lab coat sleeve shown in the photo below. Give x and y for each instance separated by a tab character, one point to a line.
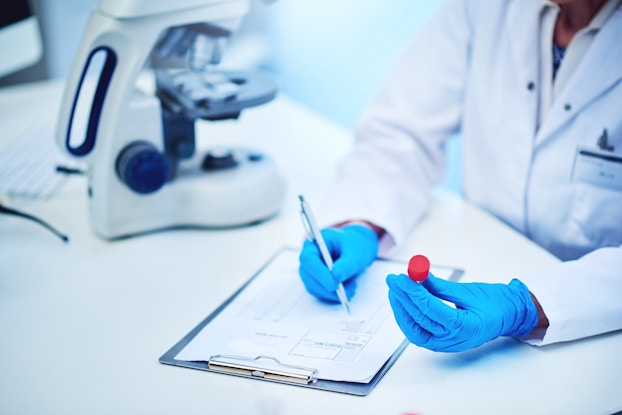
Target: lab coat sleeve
398	152
580	298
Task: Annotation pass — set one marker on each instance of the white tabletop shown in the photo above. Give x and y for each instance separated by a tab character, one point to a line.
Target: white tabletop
83	324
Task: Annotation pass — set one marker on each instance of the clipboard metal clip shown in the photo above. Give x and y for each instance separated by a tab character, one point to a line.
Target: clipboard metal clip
272	370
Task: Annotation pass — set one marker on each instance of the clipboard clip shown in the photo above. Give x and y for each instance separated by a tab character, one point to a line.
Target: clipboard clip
272	370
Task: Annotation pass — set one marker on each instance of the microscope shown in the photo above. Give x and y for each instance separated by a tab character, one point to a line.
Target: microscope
145	73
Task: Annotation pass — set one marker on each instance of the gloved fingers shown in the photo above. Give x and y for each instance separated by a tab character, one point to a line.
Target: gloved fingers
316	289
413	331
315	275
350	288
355	248
319	291
457	345
430	313
333	239
310	254
458	339
461	294
346	268
434	308
423	338
312	263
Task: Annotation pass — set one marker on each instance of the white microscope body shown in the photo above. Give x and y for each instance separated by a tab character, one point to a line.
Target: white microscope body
144	171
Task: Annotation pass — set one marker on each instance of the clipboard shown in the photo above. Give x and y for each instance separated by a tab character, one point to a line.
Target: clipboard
277	371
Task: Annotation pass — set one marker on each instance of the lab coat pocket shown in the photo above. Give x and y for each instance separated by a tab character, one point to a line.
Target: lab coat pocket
597	167
596	216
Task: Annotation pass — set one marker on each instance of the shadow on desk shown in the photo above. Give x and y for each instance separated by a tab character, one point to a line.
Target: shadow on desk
509	348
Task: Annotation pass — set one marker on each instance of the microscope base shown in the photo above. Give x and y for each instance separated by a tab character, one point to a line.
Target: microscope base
244	194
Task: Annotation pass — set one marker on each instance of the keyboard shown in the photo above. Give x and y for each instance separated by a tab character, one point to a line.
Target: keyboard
28	166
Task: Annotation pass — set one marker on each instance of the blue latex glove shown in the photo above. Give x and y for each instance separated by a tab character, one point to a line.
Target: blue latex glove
483	312
353	249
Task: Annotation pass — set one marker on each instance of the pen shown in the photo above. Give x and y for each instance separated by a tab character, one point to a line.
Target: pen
316	236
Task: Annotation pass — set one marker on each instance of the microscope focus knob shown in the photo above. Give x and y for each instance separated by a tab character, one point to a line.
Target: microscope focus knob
142	167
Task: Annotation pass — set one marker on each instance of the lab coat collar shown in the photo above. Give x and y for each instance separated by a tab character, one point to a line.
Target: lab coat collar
524	27
601	17
523	21
600	68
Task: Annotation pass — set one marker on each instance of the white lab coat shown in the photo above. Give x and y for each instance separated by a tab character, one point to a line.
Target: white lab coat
470	70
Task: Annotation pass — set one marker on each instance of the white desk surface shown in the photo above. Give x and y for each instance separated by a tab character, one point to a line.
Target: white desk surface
83	324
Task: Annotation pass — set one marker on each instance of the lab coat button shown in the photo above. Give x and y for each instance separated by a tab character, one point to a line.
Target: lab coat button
567	107
531	86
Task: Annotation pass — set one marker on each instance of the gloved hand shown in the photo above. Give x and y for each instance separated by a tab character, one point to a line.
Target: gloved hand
483	312
353	248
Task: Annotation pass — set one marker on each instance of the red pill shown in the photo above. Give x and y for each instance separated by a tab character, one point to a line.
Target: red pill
418	268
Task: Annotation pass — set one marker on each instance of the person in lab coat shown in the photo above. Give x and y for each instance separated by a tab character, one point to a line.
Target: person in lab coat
526	83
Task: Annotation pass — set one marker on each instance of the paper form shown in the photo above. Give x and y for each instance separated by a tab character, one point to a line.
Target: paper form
275	316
